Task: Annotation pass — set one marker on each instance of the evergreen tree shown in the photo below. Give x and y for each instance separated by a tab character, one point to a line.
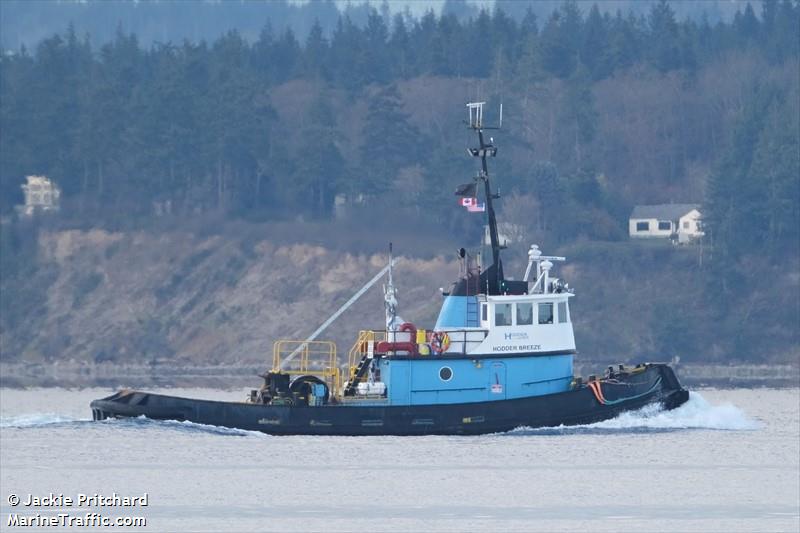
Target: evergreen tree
287	52
450	58
423	38
769	15
321	168
530	73
579	120
316	55
390	143
376	62
624	42
595	52
664	47
560	40
347	42
555	52
705	40
528	27
401	47
18	104
784	42
735	209
478	44
776	171
261	54
687	41
237	125
504	37
746	25
122	65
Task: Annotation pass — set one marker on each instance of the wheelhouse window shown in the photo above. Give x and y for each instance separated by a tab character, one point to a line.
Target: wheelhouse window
664	225
685	224
562	312
524	314
484	312
502	314
546	313
642	226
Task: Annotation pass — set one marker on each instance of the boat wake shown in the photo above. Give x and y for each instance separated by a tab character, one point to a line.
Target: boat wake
51	420
696	413
39	420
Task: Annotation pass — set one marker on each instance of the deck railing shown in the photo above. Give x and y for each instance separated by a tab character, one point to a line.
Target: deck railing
462	341
361	348
316	358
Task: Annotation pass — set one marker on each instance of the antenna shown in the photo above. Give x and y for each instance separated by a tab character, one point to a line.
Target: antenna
391	264
476	117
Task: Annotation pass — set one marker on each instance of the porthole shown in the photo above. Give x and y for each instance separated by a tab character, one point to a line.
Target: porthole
445	373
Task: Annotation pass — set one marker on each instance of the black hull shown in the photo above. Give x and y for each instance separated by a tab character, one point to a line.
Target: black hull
655	384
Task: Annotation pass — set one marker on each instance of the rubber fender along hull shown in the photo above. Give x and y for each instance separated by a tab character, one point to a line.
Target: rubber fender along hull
582	405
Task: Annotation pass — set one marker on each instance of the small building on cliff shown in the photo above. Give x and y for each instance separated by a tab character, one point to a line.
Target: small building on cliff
41	194
680	222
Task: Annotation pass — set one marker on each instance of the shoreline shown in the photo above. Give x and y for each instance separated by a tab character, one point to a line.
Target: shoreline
231	376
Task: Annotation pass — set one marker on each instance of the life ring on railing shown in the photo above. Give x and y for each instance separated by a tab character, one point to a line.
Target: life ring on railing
440	342
411	329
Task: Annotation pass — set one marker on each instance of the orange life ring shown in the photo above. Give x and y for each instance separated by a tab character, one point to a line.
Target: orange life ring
440	342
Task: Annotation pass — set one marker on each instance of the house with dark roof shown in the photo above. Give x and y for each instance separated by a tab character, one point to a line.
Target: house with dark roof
680	222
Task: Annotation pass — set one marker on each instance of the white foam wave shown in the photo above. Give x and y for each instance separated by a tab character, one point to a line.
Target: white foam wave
37	419
696	413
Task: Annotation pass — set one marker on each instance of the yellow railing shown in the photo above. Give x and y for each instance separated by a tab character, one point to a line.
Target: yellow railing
360	348
317	358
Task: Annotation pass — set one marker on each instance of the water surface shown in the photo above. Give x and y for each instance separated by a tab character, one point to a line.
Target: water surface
726	461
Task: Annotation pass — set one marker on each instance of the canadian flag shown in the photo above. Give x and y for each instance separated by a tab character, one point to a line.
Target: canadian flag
469	202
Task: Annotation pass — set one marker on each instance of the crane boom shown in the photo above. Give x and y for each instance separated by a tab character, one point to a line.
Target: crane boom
335	315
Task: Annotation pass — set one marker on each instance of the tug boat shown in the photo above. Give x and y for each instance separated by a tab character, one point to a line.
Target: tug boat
499	357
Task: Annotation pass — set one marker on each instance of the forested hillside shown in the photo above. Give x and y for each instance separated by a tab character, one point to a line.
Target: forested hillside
26	22
602	111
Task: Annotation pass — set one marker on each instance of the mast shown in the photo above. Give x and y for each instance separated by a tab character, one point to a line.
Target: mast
390	298
484	149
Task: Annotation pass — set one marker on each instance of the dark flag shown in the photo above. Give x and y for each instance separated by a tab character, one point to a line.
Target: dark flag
468	189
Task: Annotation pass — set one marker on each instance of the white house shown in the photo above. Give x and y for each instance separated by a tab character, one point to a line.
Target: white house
41	193
677	221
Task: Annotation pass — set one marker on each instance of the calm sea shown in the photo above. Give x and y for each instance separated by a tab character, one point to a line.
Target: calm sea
726	461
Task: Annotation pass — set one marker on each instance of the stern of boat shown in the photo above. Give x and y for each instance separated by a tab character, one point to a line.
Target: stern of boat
130	403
